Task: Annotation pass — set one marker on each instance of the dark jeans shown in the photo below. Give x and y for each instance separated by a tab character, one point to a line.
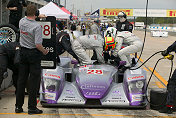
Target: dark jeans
29	67
171	88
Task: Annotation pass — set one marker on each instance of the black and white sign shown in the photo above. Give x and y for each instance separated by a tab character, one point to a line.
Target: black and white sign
49	42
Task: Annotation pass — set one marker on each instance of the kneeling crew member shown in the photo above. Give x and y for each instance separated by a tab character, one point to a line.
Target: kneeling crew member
93	42
134	44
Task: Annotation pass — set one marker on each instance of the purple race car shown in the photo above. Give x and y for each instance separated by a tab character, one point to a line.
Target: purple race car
92	85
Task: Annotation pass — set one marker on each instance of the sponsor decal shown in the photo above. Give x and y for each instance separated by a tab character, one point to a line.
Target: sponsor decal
135	77
136	98
71	100
95	87
116	93
171	13
50	96
115	12
68	92
52	75
93	93
117	98
85	67
115	101
70	97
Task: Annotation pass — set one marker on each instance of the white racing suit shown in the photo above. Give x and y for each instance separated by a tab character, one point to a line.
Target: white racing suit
94	29
134	44
93	42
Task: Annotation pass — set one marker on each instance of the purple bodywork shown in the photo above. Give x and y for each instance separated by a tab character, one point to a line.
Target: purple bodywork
54	86
94	81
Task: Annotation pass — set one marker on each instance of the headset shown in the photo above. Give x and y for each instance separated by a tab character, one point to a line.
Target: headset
122	14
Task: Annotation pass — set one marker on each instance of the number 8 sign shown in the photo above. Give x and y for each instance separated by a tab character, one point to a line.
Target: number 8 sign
46	30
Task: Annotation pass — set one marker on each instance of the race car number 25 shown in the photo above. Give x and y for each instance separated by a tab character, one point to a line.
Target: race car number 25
95	71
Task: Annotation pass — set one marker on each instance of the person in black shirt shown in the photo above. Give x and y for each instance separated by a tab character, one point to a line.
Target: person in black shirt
16	8
123	24
63	44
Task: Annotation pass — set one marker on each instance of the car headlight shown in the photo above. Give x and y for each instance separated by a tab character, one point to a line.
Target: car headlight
139	84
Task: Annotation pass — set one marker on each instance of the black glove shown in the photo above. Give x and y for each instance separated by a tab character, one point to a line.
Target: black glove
165	52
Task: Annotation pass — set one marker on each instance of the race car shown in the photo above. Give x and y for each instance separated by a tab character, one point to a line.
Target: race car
92	86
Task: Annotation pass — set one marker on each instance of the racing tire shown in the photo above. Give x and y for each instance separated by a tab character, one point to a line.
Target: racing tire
158	98
8	33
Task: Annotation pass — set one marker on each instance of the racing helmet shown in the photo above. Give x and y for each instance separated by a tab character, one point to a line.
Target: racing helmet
111	32
109	44
122	14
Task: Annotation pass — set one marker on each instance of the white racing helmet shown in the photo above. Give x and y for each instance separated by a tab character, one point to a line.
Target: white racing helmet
122	16
110	32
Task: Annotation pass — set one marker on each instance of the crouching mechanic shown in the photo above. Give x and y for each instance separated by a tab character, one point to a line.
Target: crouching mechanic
171	86
134	44
93	42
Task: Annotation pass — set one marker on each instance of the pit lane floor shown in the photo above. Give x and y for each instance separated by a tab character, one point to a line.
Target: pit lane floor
159	80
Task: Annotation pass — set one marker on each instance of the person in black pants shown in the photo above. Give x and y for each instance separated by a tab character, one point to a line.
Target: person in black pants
16	8
171	86
123	24
30	59
7	55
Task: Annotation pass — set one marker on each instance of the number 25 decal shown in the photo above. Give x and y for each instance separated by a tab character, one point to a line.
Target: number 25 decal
95	71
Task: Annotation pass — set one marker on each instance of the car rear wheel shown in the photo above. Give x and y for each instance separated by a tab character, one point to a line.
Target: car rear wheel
8	33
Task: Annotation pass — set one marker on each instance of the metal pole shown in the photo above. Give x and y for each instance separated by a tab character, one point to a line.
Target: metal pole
65	4
134	22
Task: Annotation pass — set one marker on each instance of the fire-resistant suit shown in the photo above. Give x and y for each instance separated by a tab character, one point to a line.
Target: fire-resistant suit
93	42
94	29
134	44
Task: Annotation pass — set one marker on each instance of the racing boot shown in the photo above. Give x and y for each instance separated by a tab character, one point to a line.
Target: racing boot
133	62
167	109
